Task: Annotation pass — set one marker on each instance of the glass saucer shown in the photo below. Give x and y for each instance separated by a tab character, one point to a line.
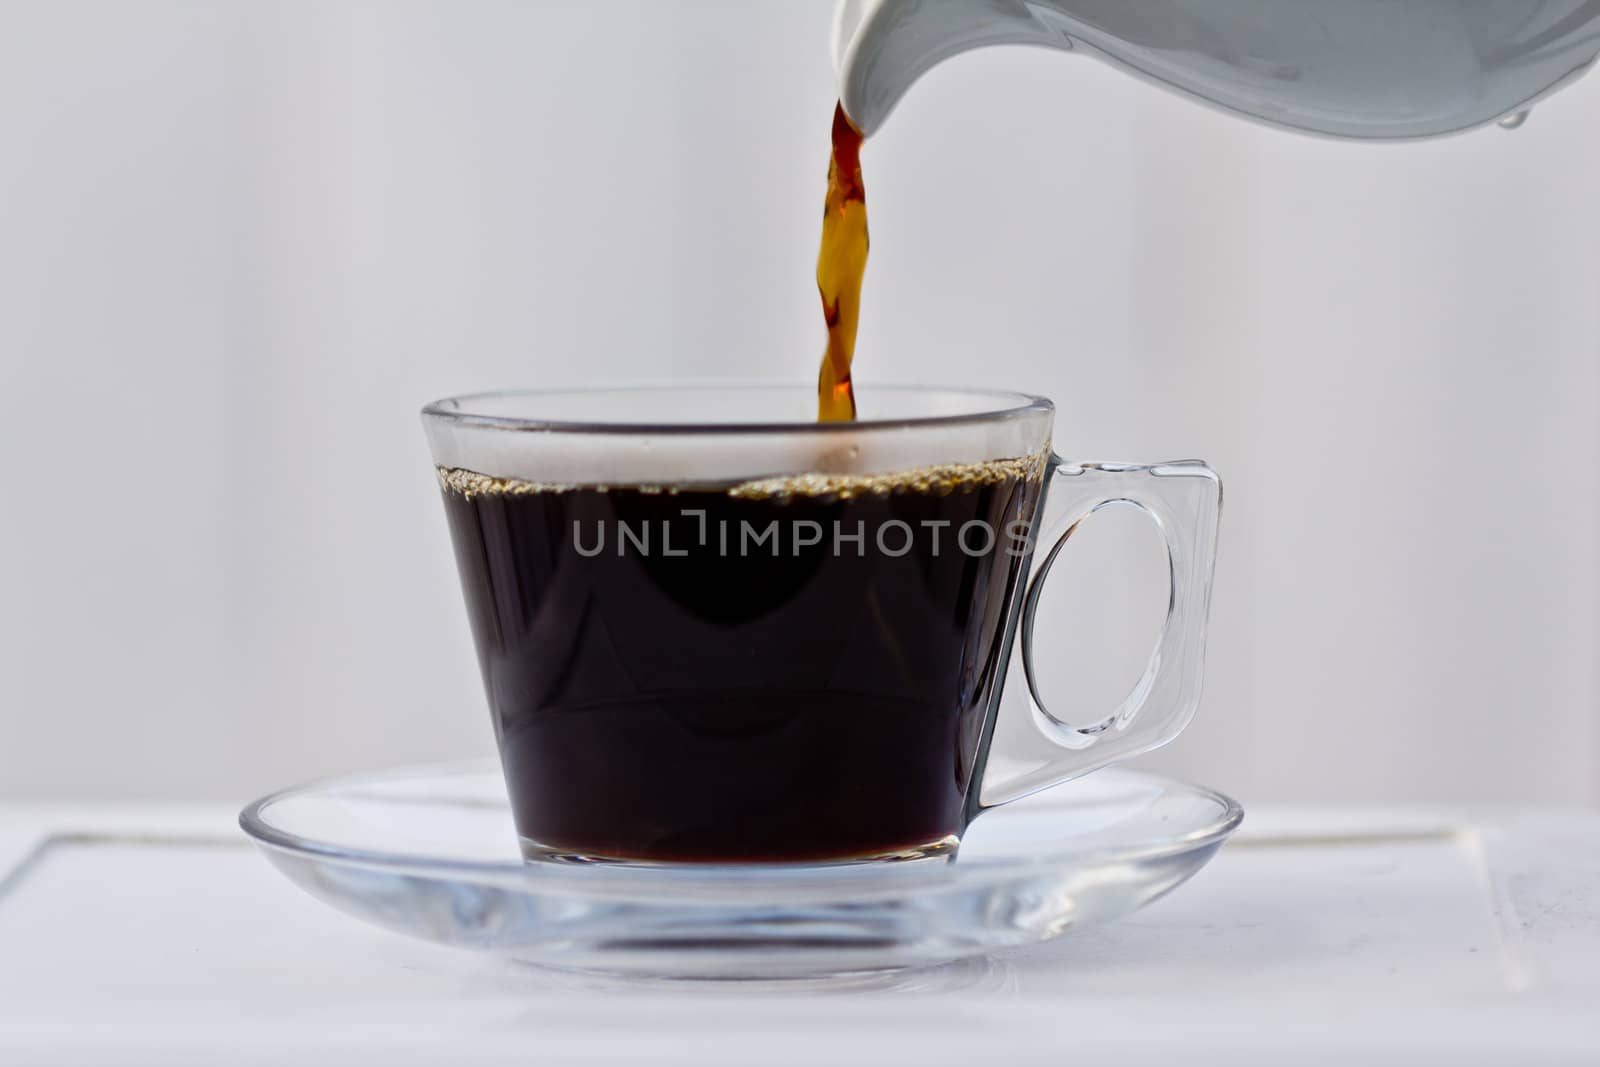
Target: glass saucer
430	852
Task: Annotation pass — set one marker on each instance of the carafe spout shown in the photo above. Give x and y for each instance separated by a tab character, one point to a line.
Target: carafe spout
880	47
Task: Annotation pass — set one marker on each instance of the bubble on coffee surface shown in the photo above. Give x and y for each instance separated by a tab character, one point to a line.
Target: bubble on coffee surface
938	479
470	484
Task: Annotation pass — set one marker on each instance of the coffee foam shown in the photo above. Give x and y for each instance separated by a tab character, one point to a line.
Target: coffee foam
940	479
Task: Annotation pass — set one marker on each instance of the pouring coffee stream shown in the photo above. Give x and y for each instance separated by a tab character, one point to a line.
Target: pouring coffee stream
841	263
1369	70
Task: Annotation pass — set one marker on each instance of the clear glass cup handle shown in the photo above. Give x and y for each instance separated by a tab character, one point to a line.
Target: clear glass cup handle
1031	748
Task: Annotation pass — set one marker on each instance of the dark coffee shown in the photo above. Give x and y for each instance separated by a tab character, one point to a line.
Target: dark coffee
793	669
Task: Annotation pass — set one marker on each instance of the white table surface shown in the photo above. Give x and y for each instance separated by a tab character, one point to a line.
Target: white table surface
1318	936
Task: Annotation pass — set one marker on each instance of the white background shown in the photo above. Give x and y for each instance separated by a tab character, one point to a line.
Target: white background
240	243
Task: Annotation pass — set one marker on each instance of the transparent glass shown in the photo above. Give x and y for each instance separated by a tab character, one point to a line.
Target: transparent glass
430	852
937	731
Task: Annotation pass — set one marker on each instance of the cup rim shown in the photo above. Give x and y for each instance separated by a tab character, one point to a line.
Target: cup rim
456	410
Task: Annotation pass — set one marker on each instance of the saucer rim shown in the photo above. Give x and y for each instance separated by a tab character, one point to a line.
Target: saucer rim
256	824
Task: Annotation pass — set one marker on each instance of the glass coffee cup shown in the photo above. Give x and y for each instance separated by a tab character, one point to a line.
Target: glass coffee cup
713	630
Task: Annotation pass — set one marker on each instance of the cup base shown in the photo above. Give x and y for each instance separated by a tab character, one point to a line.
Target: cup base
943	849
